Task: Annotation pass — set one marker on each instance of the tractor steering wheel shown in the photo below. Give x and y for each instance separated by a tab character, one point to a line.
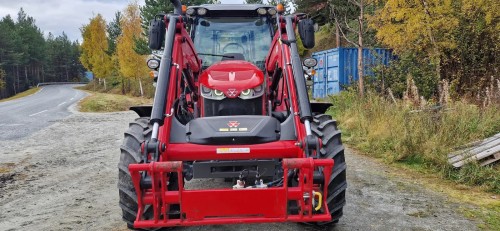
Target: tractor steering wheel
233	44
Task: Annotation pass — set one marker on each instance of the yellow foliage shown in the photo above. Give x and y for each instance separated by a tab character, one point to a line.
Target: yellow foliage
132	65
94	47
419	25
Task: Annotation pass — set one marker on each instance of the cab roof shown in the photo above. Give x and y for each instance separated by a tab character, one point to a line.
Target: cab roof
231	10
232	7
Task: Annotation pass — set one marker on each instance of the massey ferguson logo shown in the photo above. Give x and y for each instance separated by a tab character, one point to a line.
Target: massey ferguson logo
233	124
231	92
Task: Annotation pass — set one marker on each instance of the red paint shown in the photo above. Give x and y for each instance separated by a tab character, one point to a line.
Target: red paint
228	206
232	77
190	152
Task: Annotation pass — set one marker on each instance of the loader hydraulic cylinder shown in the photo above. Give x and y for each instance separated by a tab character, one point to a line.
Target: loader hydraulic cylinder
158	112
300	82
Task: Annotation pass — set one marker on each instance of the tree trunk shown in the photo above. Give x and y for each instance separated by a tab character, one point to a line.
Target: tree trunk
123	86
17	76
67	75
43	75
26	75
337	35
360	52
140	85
436	56
14	83
104	80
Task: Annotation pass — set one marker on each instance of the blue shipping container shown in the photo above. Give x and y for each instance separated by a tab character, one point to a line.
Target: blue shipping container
338	68
89	75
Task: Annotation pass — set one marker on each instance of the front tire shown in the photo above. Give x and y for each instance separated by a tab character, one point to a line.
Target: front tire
326	129
137	133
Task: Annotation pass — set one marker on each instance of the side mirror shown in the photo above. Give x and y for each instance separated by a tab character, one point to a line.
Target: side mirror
306	32
156	34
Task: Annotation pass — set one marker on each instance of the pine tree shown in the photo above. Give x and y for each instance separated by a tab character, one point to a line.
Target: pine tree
149	11
27	58
114	30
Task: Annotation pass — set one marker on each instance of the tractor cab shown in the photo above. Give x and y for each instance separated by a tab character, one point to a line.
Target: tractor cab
232	42
232	32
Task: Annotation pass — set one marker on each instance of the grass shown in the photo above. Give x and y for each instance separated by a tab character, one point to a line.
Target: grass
398	134
103	102
22	94
419	141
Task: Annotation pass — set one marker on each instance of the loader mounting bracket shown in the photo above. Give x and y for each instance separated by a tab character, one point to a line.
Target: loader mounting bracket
233	206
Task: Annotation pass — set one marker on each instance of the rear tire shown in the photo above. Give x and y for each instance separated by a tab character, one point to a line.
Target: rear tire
325	128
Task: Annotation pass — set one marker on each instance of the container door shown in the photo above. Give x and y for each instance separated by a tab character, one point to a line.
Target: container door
332	72
319	78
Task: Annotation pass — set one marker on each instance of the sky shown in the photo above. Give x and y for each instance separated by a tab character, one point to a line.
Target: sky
56	16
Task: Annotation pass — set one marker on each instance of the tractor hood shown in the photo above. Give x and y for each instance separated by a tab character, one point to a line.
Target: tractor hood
232	77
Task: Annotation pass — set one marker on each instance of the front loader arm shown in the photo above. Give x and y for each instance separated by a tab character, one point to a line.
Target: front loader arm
283	57
179	56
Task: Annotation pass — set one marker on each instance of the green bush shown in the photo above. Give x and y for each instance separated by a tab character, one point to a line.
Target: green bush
417	66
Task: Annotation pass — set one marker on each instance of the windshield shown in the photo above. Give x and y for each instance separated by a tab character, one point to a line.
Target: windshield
250	37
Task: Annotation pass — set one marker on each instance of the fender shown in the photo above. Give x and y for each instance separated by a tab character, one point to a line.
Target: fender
320	107
142	110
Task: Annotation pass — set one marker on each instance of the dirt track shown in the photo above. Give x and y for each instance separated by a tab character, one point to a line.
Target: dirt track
64	177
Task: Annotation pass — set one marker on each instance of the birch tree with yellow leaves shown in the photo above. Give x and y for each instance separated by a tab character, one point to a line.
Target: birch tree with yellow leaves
94	56
458	38
419	25
132	65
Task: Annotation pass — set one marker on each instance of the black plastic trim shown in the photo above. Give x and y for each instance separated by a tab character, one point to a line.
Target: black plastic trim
142	110
320	107
245	129
233	168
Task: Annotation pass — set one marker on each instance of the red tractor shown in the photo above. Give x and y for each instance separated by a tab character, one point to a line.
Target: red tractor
231	102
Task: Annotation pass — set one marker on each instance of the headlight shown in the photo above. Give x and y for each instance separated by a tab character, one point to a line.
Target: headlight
261	11
272	11
246	92
252	93
190	11
202	11
310	62
153	63
211	93
218	93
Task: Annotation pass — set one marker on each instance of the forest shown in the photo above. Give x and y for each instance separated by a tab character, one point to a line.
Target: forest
434	40
27	57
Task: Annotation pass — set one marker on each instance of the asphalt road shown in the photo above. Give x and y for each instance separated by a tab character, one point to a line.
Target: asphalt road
24	116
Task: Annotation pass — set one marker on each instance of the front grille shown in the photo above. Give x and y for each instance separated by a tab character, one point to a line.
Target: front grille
228	107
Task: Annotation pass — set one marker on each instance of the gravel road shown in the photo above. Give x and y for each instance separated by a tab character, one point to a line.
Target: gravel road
64	177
